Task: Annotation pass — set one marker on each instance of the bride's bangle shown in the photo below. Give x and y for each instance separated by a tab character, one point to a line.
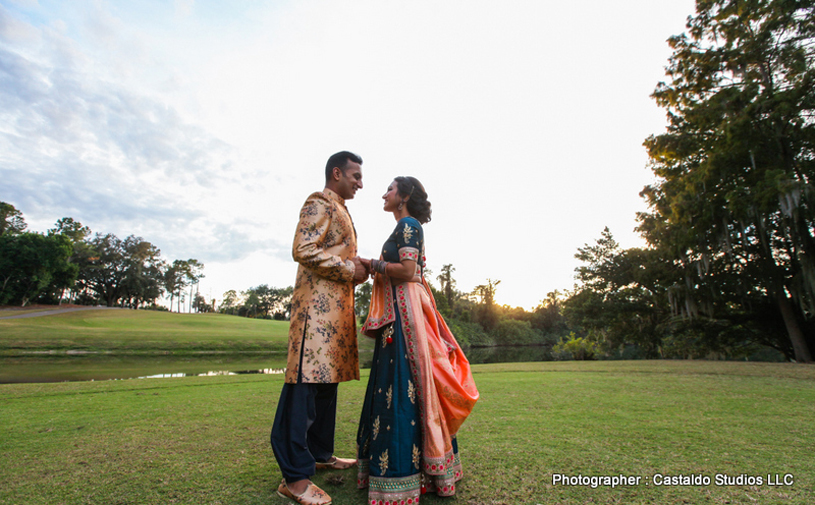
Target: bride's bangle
379	266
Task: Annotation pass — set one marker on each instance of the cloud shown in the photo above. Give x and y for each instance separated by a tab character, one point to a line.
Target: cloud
201	126
13	30
75	142
183	8
27	3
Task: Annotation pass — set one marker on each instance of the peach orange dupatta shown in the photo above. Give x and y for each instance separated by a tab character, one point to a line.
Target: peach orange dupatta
444	382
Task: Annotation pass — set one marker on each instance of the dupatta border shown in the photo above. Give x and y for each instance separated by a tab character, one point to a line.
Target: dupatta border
435	466
381	310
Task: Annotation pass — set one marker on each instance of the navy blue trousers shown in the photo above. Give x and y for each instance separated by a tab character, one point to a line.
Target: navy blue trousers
303	430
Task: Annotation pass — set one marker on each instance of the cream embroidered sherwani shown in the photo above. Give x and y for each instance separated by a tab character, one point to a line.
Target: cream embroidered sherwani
323	333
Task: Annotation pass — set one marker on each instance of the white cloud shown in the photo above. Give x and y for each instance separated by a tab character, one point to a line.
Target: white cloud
183	8
73	143
202	126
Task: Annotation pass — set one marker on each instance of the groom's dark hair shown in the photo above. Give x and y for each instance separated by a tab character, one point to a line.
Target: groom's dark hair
340	160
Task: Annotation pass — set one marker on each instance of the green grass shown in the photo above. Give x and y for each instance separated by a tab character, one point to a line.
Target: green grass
141	331
205	440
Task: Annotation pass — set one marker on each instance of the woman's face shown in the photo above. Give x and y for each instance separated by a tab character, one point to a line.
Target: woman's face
392	198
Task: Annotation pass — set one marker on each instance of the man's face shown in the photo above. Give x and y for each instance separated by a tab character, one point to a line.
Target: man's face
350	180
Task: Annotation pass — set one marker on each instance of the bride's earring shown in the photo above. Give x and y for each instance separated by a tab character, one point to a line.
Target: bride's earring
400	205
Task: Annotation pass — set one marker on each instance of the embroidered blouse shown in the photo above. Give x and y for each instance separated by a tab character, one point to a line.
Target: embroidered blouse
406	242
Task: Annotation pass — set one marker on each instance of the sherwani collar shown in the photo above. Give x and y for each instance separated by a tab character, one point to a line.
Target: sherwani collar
337	198
334	196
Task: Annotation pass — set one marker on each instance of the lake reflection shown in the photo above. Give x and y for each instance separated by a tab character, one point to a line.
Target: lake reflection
95	367
262	371
88	367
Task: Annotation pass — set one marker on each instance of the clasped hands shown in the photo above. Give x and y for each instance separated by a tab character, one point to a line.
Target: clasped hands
402	271
362	269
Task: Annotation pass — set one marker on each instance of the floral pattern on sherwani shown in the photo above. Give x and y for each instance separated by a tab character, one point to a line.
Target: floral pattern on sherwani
323	332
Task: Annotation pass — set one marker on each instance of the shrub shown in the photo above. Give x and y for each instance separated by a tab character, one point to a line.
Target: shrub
577	348
515	332
468	333
153	306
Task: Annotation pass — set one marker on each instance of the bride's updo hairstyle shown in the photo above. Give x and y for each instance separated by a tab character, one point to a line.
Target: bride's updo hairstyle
417	204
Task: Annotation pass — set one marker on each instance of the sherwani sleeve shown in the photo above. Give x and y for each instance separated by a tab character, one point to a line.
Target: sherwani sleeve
311	235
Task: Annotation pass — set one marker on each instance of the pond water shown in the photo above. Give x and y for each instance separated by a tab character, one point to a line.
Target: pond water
62	367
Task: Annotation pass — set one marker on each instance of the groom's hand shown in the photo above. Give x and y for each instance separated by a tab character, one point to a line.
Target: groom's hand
360	271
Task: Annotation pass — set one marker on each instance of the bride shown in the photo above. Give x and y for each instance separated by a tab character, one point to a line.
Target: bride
420	389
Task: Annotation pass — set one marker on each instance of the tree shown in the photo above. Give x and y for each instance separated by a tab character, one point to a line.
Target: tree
447	283
229	303
600	262
362	300
281	304
102	268
31	263
115	270
144	272
64	279
72	229
267	302
180	274
251	303
201	305
487	315
734	204
618	301
11	220
547	316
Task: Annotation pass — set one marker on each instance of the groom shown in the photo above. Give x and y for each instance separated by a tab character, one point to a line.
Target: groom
322	335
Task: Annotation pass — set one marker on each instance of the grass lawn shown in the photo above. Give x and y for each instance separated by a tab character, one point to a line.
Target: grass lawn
205	440
141	330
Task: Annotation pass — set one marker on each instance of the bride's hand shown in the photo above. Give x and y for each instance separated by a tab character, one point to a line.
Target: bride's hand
361	271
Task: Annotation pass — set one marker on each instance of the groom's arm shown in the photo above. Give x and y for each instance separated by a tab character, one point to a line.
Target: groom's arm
309	239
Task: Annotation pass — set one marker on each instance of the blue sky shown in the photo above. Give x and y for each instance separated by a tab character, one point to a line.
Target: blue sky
203	126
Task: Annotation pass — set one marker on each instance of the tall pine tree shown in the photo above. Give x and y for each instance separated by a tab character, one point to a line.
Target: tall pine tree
734	201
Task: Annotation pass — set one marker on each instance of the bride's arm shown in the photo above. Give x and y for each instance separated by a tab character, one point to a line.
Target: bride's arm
403	271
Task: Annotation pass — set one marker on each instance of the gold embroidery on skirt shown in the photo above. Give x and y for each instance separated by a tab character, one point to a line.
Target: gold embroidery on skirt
383	462
387	333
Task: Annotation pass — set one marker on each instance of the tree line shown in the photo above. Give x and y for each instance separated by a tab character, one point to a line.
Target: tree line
69	264
730	261
477	320
261	301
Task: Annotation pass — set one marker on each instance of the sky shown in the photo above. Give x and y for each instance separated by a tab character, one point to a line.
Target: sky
202	126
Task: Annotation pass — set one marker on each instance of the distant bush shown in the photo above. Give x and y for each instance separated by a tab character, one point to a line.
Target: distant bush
153	306
577	348
508	354
515	332
469	334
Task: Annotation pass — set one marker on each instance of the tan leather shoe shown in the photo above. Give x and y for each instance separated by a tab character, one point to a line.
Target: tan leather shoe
311	496
336	463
